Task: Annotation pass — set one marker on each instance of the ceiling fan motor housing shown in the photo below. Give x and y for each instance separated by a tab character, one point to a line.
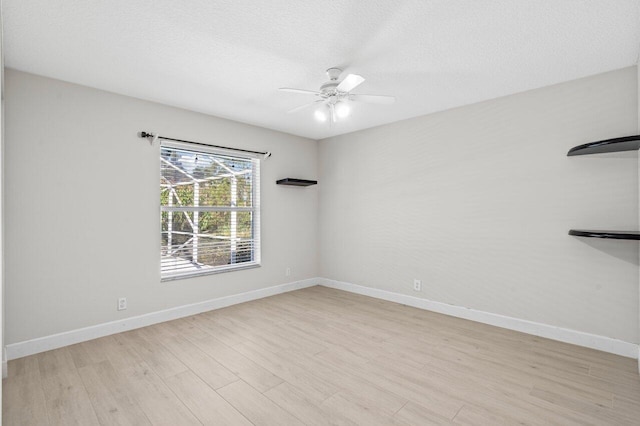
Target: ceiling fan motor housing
329	87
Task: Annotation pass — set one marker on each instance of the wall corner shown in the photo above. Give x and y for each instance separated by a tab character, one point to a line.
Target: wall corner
638	126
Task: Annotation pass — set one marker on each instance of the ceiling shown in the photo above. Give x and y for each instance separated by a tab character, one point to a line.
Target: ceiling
228	57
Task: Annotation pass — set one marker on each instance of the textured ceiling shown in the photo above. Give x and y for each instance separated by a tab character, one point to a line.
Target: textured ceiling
227	58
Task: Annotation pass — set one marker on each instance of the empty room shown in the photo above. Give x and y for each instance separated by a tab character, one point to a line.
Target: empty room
403	212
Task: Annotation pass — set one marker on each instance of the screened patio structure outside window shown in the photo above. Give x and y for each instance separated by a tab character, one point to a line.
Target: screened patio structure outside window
210	211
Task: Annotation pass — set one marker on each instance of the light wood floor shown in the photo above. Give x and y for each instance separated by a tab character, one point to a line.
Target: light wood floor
320	356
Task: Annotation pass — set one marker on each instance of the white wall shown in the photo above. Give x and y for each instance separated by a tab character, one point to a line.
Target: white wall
82	207
477	202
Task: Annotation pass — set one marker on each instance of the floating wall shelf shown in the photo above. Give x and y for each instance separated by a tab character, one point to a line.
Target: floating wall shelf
613	235
626	143
296	182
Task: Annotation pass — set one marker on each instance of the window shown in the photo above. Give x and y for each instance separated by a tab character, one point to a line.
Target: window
210	211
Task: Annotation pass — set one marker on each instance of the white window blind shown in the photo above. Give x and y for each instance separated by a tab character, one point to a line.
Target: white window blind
210	211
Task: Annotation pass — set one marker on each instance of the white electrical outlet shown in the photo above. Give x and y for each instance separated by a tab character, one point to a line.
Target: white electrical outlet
287	272
122	303
417	285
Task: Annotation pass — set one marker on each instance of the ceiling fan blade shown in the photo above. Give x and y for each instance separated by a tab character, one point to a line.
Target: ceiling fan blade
333	113
373	99
350	82
301	107
306	92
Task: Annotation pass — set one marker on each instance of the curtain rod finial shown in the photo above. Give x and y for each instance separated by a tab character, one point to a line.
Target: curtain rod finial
147	135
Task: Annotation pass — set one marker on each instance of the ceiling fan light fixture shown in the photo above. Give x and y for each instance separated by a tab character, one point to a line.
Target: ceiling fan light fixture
320	115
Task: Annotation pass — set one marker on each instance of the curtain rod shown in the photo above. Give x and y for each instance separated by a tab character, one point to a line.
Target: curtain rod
154	137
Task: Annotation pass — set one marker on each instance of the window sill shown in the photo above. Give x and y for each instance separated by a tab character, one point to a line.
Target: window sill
210	272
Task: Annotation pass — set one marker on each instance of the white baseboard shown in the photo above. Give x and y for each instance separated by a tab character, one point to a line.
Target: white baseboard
42	344
593	341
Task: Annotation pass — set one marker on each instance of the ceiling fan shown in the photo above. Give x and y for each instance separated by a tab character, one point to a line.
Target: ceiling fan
334	96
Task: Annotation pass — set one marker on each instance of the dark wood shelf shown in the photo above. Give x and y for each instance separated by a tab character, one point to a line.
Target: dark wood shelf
296	182
626	143
613	235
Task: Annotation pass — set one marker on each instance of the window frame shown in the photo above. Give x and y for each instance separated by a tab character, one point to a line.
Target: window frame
254	209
